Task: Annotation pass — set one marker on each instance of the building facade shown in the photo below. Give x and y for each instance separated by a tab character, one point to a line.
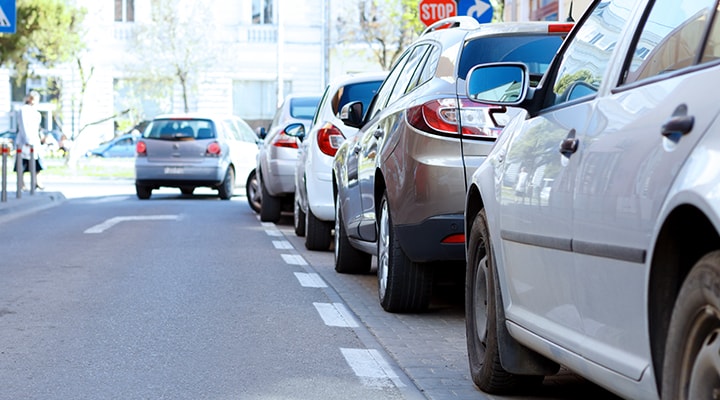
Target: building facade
544	10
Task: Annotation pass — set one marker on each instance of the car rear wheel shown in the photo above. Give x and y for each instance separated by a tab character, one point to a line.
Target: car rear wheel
318	233
482	297
252	192
691	367
348	260
143	192
298	217
187	190
270	207
403	285
225	191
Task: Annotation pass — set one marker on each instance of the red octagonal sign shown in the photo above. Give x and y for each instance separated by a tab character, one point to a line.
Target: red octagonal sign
432	11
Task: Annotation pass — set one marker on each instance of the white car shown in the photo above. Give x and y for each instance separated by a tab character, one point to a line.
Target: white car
605	257
314	205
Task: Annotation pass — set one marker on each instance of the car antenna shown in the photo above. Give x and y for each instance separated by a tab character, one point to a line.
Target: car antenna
570	18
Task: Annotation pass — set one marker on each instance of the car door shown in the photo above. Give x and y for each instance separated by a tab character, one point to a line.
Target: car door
243	149
379	134
638	138
539	170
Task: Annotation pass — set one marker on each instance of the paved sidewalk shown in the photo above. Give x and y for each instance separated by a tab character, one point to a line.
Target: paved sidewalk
27	203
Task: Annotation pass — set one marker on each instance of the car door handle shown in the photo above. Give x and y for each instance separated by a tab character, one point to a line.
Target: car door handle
357	148
378	133
679	125
570	144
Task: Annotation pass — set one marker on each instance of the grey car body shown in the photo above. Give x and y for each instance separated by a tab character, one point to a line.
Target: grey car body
400	182
278	154
194	150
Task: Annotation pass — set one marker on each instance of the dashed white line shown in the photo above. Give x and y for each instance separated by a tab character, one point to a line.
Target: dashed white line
336	314
294	259
273	232
371	368
282	244
99	228
310	280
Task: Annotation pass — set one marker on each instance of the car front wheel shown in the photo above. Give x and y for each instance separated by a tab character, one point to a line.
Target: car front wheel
270	207
403	285
252	192
298	217
318	233
348	260
691	367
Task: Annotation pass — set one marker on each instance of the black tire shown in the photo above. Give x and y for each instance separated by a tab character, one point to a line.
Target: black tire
348	260
690	368
403	285
225	190
318	233
143	192
270	207
298	217
482	297
187	191
252	192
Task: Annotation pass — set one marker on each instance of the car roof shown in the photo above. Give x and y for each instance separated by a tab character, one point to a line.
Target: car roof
196	115
509	28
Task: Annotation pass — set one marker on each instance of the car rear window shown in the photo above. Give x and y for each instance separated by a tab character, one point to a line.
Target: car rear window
363	91
536	51
303	107
180	129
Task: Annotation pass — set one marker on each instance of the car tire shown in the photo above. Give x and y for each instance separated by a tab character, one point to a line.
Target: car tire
252	192
692	348
143	192
225	190
482	297
187	191
298	217
348	260
403	285
318	233
270	207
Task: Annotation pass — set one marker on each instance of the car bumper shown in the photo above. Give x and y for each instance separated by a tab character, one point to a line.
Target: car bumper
180	175
427	241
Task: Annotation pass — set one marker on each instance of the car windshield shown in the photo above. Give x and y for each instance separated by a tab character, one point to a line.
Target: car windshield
180	129
536	51
303	107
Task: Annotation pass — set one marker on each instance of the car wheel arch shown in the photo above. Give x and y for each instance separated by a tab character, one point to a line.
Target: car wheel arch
378	191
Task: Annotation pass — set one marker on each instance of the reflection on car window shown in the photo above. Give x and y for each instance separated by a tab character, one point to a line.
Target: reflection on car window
303	107
361	91
535	51
180	129
670	39
387	86
404	78
586	59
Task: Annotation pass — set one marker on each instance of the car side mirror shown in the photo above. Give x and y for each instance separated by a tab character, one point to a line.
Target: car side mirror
295	130
352	113
498	83
261	132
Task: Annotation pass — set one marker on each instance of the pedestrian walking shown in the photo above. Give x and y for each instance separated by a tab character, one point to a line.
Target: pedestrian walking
28	120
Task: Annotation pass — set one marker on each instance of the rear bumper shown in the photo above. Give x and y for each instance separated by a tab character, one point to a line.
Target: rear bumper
422	242
156	176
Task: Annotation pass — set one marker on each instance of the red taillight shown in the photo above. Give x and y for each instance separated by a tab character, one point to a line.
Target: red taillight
283	140
456	238
441	117
560	28
329	139
141	148
213	149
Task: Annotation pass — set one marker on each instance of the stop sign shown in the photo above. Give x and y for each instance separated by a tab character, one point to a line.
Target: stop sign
432	11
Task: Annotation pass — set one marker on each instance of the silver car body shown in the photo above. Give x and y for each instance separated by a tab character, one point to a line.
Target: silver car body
620	146
178	152
313	174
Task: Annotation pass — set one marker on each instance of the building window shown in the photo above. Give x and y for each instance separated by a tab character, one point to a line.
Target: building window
262	11
124	10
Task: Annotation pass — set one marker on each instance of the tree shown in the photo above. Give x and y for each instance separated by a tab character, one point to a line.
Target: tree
387	26
176	45
48	33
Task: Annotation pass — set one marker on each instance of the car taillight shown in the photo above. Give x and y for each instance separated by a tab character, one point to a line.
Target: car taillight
440	116
213	149
329	139
454	239
560	28
141	148
283	140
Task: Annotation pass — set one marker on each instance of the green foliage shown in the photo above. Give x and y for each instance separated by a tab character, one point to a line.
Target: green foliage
584	75
48	32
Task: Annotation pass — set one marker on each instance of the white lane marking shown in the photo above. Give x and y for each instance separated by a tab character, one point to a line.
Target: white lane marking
282	244
310	280
336	314
371	368
267	225
108	199
99	228
273	232
294	259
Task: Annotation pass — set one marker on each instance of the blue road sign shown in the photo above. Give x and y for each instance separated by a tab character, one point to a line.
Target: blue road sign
481	10
7	16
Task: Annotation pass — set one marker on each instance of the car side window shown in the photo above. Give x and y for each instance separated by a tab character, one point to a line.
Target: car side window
388	85
584	61
671	38
427	69
405	77
712	47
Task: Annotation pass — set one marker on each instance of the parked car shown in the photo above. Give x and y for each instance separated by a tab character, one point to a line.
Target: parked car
401	181
314	205
122	146
278	156
187	151
607	261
